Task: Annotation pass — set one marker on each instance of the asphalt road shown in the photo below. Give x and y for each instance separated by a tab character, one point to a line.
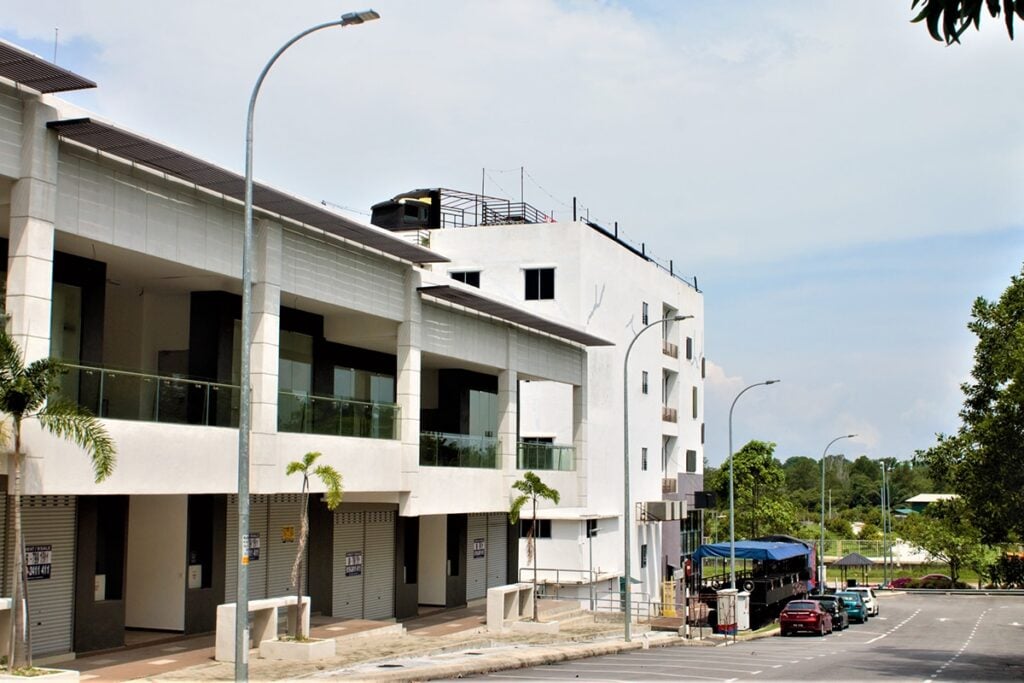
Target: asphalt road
915	638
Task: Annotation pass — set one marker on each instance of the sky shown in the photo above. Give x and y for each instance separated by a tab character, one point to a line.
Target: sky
842	186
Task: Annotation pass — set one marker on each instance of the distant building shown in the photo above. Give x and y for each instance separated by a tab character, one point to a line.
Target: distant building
922	500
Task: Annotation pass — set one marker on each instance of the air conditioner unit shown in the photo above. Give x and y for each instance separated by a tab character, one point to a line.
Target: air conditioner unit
658	510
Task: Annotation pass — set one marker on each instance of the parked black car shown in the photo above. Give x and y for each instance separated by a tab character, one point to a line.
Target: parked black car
835	606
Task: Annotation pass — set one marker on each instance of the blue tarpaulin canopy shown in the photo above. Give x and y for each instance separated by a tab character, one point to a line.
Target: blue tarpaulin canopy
753	550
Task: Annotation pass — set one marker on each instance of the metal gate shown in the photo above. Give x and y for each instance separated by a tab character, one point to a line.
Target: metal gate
379	580
280	543
497	549
48	524
257	568
477	550
349	565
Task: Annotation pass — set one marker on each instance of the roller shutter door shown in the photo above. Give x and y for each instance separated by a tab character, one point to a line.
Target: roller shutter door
347	583
379	579
497	549
280	553
50	521
476	567
257	568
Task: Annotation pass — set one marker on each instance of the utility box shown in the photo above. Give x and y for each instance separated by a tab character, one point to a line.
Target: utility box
743	611
727	611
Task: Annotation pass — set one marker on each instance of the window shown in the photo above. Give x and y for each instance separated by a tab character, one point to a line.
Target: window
702	432
695	403
543	528
643	314
691	461
643	459
540	283
469	277
643	556
703	369
689	348
643	382
591	528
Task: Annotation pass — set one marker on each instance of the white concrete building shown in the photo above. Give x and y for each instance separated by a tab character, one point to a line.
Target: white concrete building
583	275
430	396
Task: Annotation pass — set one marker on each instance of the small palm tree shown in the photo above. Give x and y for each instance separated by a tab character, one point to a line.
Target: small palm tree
26	393
531	488
332	481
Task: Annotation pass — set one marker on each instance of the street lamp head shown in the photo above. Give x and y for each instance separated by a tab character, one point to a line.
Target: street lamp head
773	381
358	17
682	317
850	436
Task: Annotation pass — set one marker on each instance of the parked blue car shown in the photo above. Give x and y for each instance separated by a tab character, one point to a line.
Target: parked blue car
854	606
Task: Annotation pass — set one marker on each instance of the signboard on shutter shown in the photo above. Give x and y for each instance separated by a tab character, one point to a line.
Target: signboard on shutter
38	560
252	544
287	534
354	563
479	548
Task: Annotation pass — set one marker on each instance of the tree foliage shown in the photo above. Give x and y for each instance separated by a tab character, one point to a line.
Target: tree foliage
531	489
982	460
948	19
945	531
762	503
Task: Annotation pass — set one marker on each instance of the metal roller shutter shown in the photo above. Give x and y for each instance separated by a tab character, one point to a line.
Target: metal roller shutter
49	522
284	512
257	568
476	567
497	549
348	590
379	582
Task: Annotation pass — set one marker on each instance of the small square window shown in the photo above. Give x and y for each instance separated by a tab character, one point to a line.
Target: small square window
643	556
643	382
540	283
691	461
644	316
543	528
469	277
591	528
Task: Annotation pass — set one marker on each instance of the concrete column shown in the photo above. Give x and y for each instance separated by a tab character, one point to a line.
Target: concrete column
508	410
33	214
408	383
579	434
266	325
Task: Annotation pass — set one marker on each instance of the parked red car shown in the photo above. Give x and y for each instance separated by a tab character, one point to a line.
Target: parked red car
805	615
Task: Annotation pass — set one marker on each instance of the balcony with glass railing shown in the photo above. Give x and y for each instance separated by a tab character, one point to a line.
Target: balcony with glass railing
308	414
438	449
545	456
130	395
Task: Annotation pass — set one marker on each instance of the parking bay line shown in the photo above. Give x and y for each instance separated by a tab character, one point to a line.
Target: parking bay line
604	665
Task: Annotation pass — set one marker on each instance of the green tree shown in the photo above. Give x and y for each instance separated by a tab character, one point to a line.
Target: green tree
531	488
30	392
982	460
761	502
945	531
332	495
948	19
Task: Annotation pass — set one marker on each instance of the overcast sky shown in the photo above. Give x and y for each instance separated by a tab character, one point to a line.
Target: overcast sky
841	185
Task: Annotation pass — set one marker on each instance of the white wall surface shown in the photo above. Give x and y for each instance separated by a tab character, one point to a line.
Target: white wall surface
155	572
10	133
432	568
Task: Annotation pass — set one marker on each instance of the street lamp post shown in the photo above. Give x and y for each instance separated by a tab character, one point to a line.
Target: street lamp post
732	496
244	417
821	548
625	458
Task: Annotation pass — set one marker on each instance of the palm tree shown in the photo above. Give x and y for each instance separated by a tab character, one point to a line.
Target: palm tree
332	481
26	393
531	488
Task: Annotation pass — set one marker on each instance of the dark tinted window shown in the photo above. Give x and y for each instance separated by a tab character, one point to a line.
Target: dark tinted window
471	278
540	283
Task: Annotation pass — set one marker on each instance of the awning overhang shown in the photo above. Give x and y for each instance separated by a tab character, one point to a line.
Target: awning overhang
511	314
137	149
34	72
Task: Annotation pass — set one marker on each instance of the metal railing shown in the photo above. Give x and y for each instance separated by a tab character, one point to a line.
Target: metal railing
669	349
438	449
669	485
130	395
545	456
669	414
307	414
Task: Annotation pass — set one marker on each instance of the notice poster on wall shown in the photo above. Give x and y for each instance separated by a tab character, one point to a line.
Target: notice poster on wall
287	534
38	560
479	548
354	563
252	544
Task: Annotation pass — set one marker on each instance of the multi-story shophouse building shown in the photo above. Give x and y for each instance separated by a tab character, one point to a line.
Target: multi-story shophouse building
430	396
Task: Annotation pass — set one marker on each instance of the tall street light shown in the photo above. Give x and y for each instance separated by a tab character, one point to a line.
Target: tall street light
732	496
625	457
244	417
821	548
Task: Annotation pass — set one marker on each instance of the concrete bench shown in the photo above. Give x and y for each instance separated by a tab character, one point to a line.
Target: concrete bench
263	613
509	604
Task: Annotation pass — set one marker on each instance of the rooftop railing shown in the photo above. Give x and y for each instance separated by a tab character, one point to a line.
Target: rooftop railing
545	456
130	395
439	449
308	414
